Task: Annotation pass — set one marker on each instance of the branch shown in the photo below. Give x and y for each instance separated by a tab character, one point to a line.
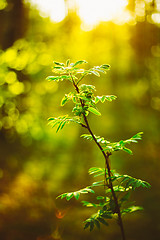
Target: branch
107	163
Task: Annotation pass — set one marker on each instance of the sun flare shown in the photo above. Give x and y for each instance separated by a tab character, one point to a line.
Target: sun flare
55	9
94	11
91	12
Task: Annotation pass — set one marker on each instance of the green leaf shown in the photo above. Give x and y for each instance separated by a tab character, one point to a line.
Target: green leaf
61	121
138	136
65	99
58	78
97	223
103	198
62	196
134	139
133	182
74	99
97	99
86	225
102	221
103	99
69	196
67	62
96	171
95	73
87	136
59	126
93	110
100	197
127	150
88	204
98	138
53	78
110	98
145	184
105	66
132	209
55	67
91	226
79	62
87	88
76	195
89	190
116	146
125	197
117	188
62	125
59	64
106	215
97	184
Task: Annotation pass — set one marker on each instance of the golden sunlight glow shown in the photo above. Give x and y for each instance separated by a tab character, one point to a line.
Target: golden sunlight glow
94	11
91	12
55	9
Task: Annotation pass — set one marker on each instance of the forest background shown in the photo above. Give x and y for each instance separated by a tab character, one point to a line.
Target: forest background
36	164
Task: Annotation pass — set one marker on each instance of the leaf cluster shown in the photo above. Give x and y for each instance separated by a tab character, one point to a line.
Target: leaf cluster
85	101
117	187
115	146
123	185
76	194
71	70
61	121
125	182
83	97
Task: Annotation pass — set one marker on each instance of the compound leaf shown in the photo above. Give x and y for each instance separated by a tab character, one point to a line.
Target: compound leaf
76	194
131	209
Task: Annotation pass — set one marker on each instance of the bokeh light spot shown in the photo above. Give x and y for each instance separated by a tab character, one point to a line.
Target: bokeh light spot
16	88
3	4
7	122
11	77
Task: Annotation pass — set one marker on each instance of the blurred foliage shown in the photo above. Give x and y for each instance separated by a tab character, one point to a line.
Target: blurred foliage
36	164
3	4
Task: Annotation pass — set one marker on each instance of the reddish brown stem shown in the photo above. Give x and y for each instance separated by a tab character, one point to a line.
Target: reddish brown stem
107	163
106	156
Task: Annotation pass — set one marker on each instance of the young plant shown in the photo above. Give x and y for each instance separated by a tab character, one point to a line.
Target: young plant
117	187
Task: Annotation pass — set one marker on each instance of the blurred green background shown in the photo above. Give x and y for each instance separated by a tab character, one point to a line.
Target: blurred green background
36	164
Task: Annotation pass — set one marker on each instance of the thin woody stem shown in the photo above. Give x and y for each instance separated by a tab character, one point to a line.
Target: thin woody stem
107	163
110	185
